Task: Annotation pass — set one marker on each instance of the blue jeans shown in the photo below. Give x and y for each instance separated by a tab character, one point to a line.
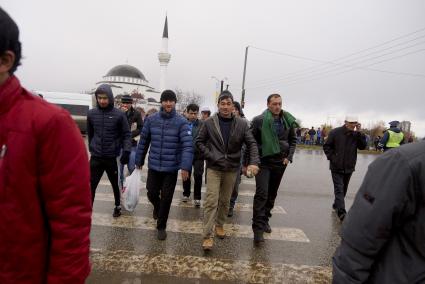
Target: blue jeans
130	166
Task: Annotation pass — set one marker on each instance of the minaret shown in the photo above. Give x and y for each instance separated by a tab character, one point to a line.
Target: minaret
164	58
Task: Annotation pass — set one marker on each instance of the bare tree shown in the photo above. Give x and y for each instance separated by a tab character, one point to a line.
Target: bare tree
184	98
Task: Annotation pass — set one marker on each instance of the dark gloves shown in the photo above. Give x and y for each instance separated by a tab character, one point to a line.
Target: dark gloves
125	157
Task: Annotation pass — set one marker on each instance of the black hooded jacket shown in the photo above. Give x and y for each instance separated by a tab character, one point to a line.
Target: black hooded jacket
107	128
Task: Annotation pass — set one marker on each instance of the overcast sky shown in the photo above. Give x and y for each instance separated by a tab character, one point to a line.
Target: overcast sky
69	45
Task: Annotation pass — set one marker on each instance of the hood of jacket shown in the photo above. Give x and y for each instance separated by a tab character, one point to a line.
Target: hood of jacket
105	89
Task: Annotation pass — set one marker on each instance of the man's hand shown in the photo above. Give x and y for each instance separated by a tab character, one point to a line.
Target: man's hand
286	161
185	175
254	169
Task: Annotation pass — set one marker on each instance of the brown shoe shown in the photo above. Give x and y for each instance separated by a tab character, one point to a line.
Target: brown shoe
219	231
207	244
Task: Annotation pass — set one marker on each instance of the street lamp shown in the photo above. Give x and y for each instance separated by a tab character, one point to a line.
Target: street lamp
243	79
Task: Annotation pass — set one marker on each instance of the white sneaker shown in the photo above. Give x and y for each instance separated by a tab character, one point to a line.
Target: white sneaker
185	199
197	203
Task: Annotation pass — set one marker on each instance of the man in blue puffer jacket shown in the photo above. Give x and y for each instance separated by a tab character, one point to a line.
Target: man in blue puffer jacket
171	150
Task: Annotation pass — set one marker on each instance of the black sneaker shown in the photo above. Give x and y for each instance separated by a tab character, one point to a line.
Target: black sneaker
162	235
155	214
230	213
267	228
341	214
117	212
258	237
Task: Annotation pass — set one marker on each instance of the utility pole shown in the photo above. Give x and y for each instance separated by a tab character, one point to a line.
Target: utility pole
243	79
227	87
221	88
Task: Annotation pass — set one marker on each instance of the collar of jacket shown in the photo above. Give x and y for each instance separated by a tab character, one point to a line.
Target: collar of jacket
9	93
165	114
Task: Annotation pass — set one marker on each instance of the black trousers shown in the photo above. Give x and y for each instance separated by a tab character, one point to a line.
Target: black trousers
160	187
340	181
198	172
97	167
267	183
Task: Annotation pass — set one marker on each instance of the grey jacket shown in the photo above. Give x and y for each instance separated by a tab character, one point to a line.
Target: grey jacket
383	236
223	157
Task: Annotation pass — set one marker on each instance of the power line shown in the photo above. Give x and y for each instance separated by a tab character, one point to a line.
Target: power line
320	76
345	66
335	62
338	66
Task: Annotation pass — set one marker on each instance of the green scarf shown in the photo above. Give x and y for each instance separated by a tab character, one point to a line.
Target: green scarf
269	139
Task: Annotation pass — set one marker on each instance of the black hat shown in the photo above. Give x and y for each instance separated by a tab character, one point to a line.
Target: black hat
126	99
225	95
394	123
168	95
9	37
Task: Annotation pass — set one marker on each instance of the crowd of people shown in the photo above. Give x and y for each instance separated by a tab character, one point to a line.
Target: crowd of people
48	183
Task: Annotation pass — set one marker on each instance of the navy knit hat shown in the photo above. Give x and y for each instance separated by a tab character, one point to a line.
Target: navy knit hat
9	38
168	95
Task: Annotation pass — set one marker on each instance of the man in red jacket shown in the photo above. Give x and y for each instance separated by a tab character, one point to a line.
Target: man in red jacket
45	199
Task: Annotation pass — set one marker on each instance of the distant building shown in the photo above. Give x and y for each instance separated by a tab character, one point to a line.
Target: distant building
405	126
127	79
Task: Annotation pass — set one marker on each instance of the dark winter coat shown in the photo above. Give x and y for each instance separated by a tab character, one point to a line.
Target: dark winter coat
223	157
45	199
341	149
107	129
170	142
135	123
383	235
197	124
287	142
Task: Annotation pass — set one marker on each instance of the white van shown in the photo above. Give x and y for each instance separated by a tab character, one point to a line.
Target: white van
76	104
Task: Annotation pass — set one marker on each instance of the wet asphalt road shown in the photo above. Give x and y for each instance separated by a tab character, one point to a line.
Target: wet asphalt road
299	250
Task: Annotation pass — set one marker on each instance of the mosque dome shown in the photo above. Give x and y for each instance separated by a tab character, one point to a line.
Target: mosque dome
126	71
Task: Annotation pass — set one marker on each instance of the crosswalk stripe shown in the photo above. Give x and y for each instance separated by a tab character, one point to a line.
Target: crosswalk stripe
243	207
198	267
179	188
195	227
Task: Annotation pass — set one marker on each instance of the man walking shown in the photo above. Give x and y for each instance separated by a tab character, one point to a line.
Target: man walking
171	149
383	234
44	182
109	134
341	150
195	124
312	134
135	123
220	140
237	111
274	131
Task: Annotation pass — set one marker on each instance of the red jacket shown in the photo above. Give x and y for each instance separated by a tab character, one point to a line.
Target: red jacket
45	198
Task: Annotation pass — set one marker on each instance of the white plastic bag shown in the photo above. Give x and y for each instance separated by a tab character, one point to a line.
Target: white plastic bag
131	190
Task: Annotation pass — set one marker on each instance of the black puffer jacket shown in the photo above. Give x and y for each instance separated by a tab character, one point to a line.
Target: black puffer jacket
223	157
135	123
383	235
341	149
107	128
287	142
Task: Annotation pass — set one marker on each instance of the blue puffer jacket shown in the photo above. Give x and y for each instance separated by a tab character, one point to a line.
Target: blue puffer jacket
170	143
107	128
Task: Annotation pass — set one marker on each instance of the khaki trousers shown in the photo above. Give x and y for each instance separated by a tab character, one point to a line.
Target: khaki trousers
216	205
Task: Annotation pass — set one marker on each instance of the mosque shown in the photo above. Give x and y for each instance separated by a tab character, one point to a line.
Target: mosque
127	79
